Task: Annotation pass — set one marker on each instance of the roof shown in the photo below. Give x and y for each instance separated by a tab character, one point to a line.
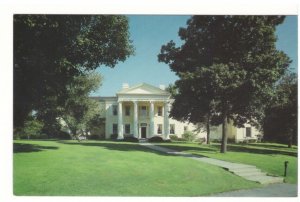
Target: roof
143	88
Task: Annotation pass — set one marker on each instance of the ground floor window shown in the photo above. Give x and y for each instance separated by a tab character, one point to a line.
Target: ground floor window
127	128
185	128
248	131
115	128
172	128
159	128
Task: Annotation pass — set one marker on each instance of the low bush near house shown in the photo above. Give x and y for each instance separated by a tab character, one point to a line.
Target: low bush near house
93	137
156	139
130	139
189	136
113	136
201	140
173	137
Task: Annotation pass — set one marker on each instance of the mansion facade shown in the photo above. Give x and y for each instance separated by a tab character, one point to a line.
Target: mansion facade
142	111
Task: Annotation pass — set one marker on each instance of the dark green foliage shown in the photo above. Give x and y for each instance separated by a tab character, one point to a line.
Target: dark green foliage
130	139
173	137
63	135
280	122
93	137
49	50
156	139
227	66
113	136
80	110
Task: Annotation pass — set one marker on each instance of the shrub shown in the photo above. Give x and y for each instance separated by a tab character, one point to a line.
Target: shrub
64	135
93	137
231	140
201	140
173	137
130	139
216	140
189	136
113	136
156	139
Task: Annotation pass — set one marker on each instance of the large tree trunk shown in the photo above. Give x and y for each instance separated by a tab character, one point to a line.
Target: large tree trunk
208	130
224	135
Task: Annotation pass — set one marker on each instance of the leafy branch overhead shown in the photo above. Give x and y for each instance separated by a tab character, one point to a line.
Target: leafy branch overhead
49	50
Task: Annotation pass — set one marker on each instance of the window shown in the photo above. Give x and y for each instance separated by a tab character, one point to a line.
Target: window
143	111
127	128
172	128
127	110
248	131
185	128
115	128
159	111
115	110
159	127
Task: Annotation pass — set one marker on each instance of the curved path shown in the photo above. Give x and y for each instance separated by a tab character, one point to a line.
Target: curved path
248	172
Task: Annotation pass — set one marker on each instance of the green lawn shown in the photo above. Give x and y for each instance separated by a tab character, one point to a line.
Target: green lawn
266	156
106	168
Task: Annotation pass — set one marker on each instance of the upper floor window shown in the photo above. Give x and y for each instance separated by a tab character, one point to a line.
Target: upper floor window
159	111
127	110
115	110
143	111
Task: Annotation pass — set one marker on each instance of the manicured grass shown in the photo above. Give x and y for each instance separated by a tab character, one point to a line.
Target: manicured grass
106	168
266	156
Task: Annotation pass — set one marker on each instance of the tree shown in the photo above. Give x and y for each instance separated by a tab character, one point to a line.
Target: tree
49	50
228	62
80	109
280	122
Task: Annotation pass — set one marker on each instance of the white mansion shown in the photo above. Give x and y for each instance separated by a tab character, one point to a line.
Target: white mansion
143	112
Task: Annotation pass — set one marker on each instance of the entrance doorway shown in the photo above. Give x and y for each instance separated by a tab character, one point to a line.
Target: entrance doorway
143	132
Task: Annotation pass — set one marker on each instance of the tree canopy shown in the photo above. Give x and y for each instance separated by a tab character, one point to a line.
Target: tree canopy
280	121
49	50
228	66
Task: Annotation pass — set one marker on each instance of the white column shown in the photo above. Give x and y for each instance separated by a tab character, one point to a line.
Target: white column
120	122
135	119
151	119
166	121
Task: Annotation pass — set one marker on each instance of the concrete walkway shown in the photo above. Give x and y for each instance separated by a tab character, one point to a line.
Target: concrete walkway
273	190
245	171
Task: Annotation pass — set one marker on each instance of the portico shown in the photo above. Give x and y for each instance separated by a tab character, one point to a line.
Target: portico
142	120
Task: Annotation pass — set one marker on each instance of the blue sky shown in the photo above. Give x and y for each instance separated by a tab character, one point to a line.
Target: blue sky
150	32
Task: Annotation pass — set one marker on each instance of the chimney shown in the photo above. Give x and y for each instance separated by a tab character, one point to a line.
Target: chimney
162	87
125	85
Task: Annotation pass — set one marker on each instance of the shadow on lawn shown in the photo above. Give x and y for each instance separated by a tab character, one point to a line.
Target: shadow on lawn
262	150
113	145
20	148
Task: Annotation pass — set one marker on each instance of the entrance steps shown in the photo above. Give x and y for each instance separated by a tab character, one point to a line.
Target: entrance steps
143	140
245	171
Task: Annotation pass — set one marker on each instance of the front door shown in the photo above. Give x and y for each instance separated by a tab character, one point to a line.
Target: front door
143	132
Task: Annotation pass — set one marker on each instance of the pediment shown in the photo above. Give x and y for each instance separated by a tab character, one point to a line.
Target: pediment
143	89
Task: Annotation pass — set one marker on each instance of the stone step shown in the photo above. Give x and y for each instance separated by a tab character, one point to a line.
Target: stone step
244	170
265	179
254	173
